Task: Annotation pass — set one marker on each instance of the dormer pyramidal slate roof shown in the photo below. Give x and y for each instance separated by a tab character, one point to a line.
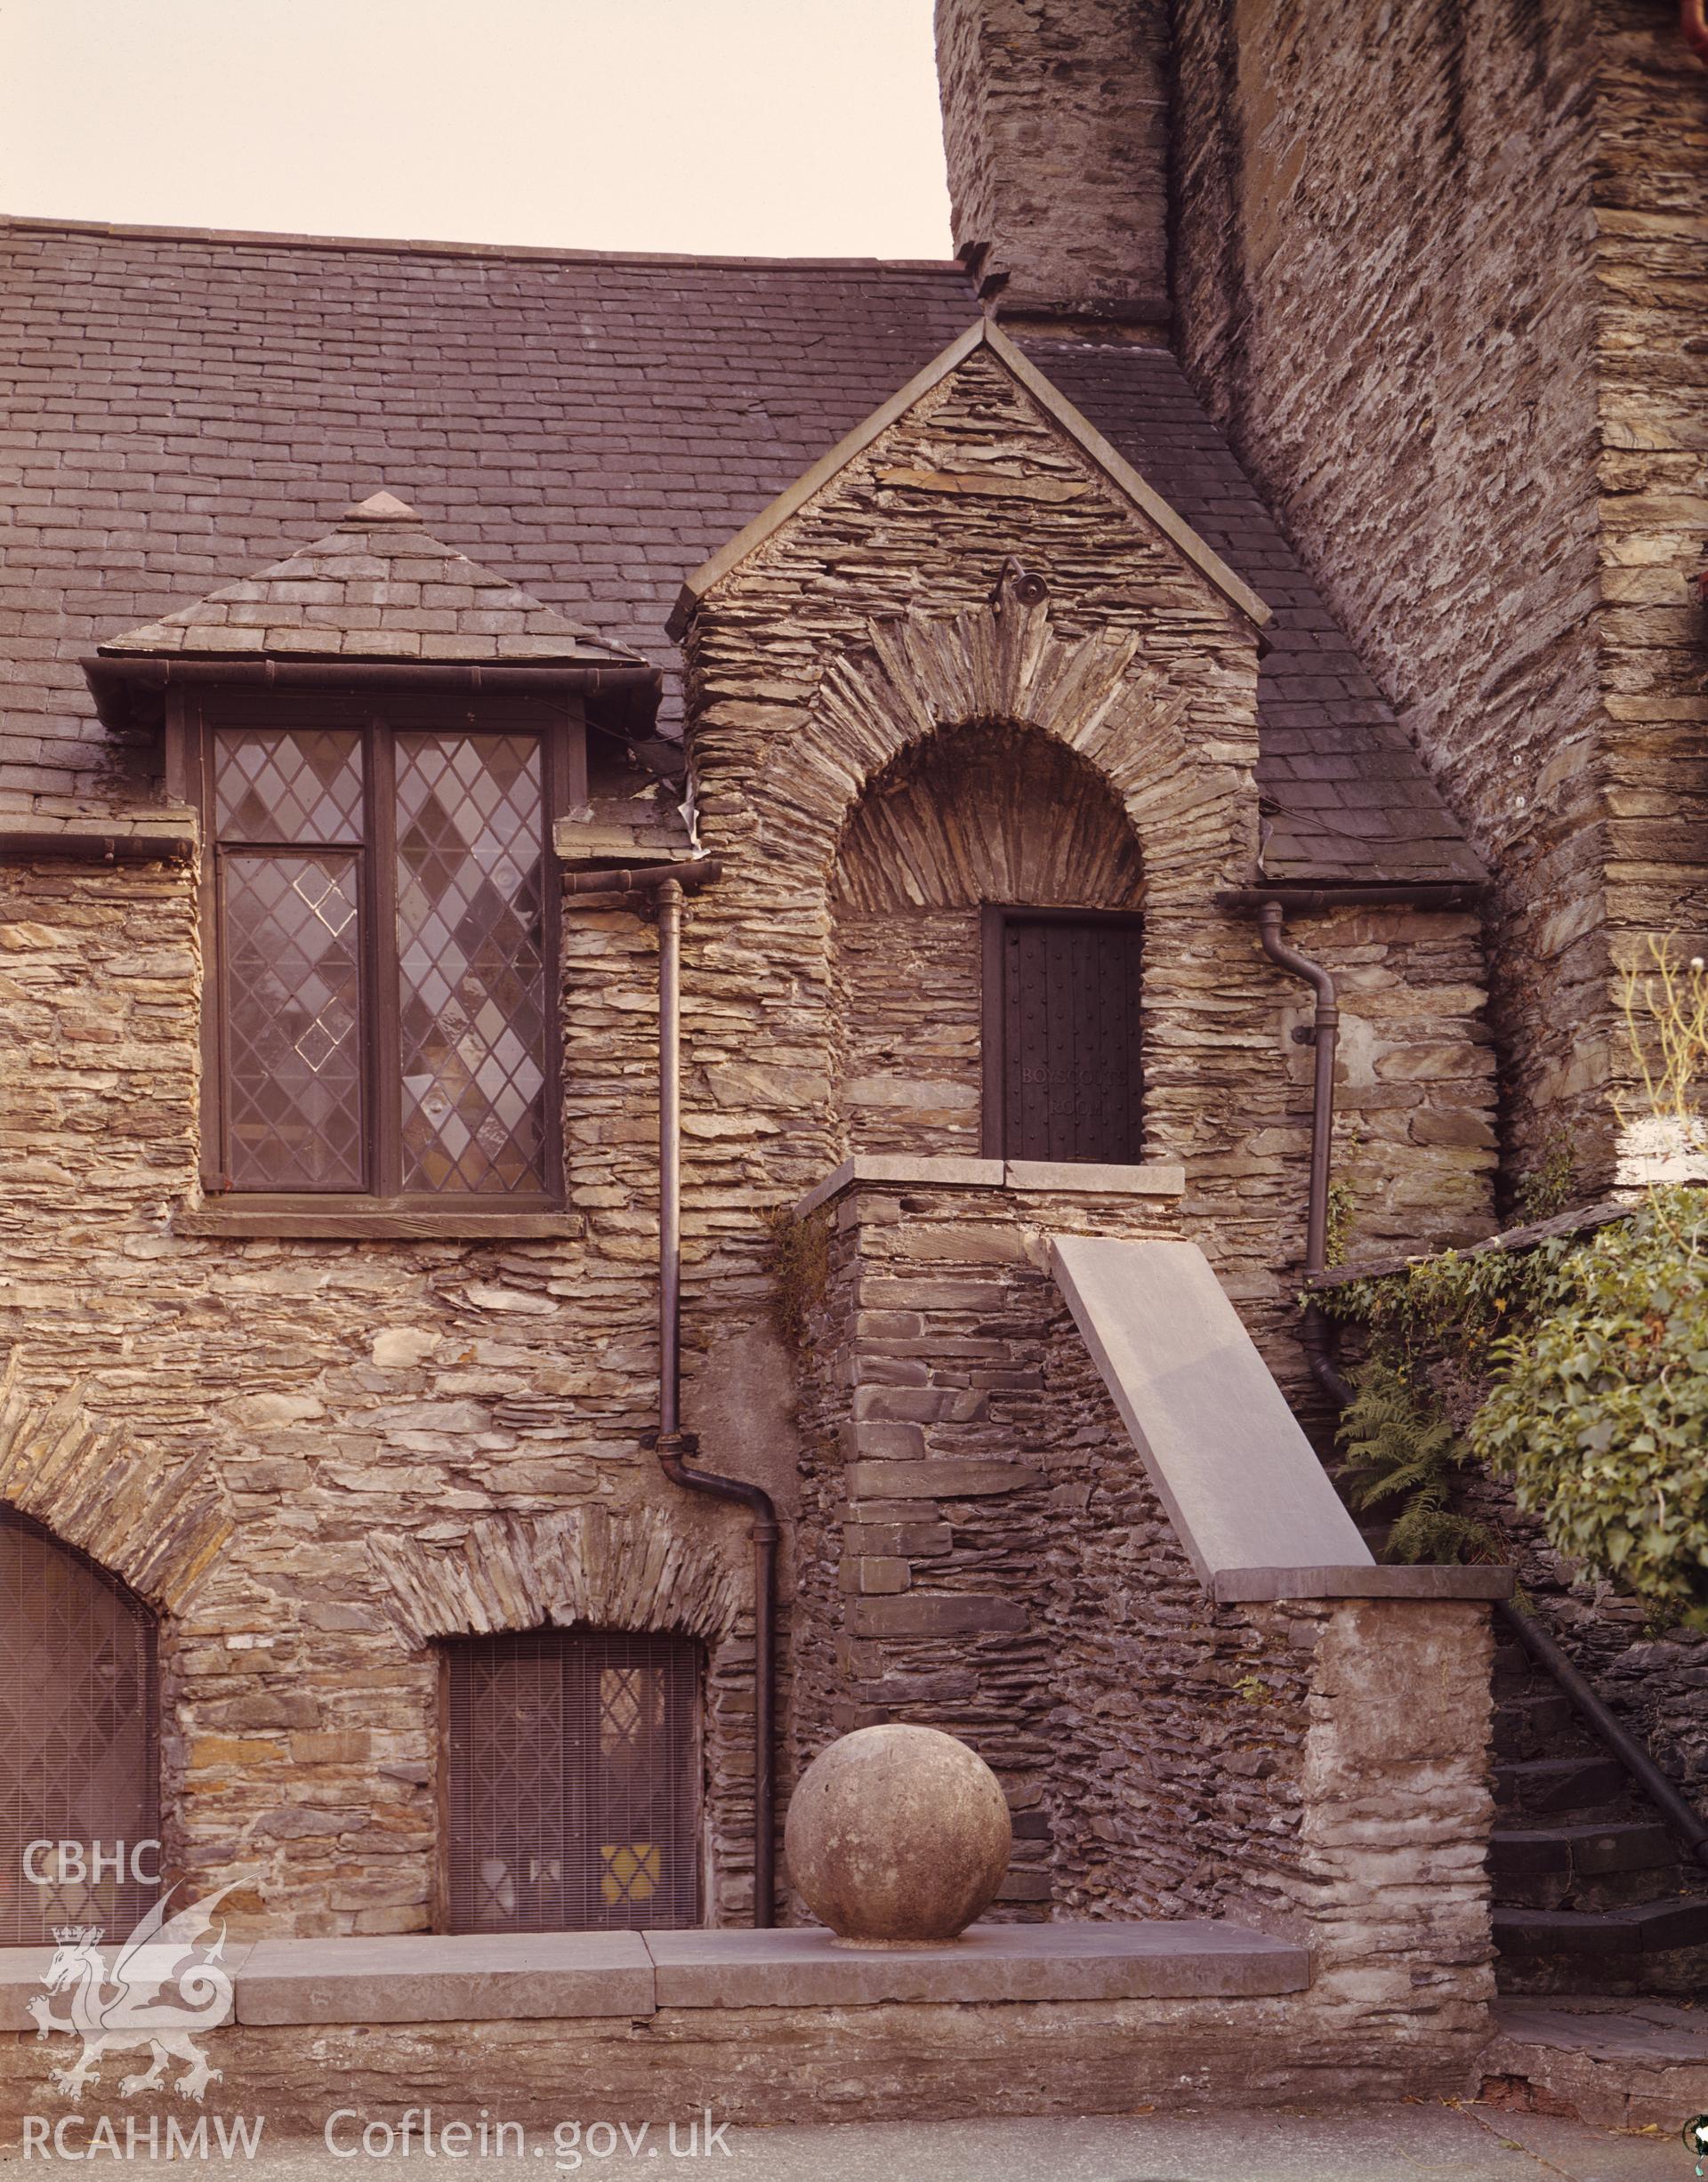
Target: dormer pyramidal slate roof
379	587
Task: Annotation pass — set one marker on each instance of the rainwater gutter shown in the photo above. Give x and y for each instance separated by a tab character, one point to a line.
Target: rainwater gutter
636	686
677	1447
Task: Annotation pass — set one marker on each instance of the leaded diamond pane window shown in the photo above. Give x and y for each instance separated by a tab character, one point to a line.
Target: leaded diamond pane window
573	1781
470	964
386	960
79	1809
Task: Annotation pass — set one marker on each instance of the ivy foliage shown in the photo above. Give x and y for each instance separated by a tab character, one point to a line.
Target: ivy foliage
1593	1360
1599	1408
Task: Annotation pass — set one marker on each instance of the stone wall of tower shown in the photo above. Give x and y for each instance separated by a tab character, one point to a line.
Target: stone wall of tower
1437	273
1055	120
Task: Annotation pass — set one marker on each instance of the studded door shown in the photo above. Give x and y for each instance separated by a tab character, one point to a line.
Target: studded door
79	1807
1063	1060
573	1781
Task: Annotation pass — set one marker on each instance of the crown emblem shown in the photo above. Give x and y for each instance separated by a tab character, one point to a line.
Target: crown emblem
74	1935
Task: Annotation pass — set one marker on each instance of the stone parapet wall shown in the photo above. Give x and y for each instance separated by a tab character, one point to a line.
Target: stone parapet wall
981	1550
935	1476
764	2067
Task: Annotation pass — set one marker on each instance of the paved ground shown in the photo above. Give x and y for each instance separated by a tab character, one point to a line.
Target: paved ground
1387	2144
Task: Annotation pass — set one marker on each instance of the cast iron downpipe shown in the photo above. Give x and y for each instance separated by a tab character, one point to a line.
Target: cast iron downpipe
1271	922
676	1446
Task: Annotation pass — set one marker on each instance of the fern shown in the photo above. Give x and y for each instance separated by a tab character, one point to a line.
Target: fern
1400	1456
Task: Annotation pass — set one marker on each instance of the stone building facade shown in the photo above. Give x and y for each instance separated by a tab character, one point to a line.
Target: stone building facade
1007	630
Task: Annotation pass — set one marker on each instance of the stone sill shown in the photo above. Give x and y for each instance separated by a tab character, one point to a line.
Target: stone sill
1052	1177
616	1975
1429	1580
372	1222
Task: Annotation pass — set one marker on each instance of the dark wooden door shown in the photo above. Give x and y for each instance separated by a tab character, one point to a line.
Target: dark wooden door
1063	1081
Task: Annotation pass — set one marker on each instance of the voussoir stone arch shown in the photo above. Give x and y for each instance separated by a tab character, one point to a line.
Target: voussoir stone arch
916	677
157	1521
587	1568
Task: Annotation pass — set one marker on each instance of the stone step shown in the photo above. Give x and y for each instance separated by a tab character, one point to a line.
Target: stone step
1551	1787
1590	1851
1614	2064
1642	1928
1617	1865
1595	1891
1536	1723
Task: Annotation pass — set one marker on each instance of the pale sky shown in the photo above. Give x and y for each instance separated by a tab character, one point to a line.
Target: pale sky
758	127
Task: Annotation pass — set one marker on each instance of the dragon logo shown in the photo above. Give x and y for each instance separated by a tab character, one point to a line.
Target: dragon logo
158	1993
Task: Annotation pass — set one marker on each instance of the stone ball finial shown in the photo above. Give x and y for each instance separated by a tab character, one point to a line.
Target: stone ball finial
898	1836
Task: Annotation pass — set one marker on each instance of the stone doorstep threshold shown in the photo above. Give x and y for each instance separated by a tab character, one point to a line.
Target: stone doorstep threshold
508	1976
949	1170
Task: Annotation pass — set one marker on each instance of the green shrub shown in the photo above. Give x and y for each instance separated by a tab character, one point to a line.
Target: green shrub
1598	1404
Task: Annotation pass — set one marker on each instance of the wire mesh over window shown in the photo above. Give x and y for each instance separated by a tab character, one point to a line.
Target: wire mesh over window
78	1792
573	1782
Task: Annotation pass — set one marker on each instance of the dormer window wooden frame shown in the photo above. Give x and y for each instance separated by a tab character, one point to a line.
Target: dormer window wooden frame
382	1036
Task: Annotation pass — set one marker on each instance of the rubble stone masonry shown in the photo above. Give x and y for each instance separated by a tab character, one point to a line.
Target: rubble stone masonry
1439	276
322	1459
1056	127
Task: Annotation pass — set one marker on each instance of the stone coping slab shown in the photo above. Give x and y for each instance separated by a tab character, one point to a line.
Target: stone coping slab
950	1170
511	1977
1191	1958
23	1969
1244	1488
433	1978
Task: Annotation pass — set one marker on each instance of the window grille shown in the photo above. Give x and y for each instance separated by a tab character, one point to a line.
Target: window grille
573	1781
385	948
77	1741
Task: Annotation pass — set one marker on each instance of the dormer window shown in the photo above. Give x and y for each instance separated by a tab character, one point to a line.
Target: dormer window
377	734
383	951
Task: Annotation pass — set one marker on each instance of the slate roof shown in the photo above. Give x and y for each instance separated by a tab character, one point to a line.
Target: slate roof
180	405
1343	787
379	586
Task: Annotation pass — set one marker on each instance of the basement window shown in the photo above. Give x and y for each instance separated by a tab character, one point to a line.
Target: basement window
1063	1073
381	935
572	1781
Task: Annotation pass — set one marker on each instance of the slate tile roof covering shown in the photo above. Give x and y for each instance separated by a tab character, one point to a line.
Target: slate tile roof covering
181	408
380	586
1343	788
